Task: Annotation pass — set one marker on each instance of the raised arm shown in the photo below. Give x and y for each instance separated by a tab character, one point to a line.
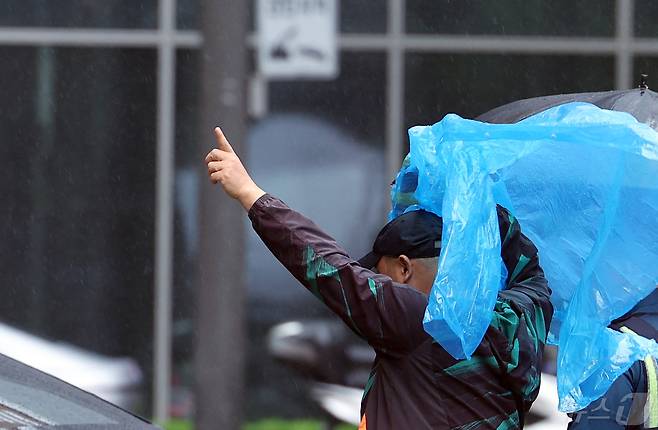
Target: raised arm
388	315
527	286
523	311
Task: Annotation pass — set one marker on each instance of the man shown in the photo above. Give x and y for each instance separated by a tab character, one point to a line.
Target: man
414	383
631	402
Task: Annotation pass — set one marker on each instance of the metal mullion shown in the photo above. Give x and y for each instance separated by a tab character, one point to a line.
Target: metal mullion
483	43
365	42
37	36
164	211
395	87
644	46
624	39
509	44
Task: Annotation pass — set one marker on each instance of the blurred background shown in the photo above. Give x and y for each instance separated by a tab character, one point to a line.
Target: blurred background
117	273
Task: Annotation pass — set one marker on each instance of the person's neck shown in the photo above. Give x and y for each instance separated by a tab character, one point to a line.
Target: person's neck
423	287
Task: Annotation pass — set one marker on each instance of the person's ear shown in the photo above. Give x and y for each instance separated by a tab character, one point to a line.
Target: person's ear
406	268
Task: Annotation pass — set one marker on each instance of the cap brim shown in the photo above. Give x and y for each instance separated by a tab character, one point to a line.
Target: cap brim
369	260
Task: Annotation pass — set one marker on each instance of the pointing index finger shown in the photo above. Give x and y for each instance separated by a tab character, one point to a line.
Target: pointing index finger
222	142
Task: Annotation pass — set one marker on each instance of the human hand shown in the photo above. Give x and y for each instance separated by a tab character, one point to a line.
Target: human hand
225	168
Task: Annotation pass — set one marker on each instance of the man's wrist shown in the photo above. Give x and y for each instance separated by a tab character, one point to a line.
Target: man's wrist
248	197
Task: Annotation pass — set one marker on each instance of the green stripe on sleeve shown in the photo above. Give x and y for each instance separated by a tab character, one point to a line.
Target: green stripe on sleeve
523	261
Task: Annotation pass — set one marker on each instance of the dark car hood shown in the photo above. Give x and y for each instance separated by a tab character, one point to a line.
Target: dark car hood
33	399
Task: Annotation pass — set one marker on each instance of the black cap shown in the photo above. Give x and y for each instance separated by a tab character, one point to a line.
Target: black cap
416	234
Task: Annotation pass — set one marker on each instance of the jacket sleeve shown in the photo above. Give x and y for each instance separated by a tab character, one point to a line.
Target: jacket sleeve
386	314
527	286
523	311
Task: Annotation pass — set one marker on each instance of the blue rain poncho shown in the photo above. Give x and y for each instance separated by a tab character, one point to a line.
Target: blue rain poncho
583	183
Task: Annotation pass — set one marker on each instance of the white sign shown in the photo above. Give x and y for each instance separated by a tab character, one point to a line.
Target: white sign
297	38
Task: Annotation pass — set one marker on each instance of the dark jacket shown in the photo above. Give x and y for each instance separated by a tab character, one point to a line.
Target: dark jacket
622	406
414	383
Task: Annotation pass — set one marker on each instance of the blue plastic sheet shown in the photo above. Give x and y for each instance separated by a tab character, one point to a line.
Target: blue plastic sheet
583	182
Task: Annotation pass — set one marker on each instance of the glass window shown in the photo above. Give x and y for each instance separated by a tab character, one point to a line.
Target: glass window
470	85
356	16
354	101
188	161
79	13
363	16
646	18
523	17
76	176
188	14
